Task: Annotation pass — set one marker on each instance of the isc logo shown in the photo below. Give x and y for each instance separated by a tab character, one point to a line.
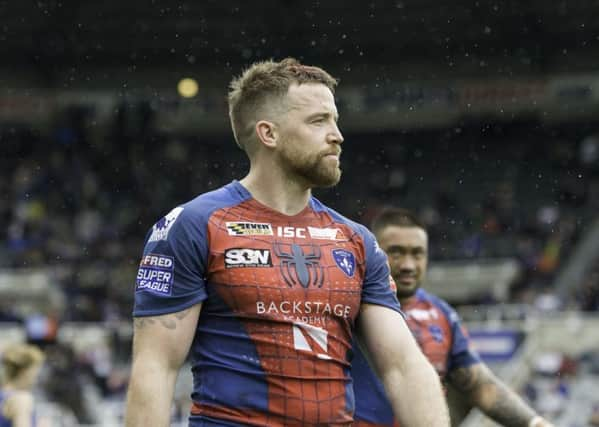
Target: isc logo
246	257
314	232
299	232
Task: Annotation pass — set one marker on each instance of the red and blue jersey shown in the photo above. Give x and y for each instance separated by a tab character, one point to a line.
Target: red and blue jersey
280	296
443	340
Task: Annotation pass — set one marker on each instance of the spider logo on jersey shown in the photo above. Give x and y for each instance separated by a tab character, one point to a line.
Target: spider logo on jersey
306	266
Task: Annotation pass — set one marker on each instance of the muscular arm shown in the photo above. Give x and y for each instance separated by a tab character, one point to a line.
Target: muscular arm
411	383
160	345
491	395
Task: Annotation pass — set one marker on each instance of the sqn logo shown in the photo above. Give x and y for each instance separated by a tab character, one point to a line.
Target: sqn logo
246	257
249	229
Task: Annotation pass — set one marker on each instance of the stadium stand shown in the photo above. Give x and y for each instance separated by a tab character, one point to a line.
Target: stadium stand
79	202
481	117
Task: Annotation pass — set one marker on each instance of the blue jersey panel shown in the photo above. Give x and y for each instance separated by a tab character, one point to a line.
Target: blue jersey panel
221	376
462	354
377	287
4	422
372	404
171	274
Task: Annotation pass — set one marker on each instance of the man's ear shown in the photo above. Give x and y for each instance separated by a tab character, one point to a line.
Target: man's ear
266	132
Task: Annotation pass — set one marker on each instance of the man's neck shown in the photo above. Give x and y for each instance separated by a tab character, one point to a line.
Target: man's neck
406	300
278	191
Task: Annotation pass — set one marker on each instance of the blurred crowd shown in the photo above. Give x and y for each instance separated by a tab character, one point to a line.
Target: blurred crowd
587	295
565	388
79	198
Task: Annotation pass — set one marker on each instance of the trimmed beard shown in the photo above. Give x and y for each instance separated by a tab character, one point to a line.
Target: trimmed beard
311	168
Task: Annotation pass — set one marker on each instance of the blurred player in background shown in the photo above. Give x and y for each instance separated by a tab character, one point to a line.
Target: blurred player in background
263	283
438	330
21	364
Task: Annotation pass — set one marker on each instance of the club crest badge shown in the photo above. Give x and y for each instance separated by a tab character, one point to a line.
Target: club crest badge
345	260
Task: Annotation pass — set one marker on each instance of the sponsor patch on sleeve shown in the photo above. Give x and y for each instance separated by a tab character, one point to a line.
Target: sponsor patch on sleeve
155	274
162	227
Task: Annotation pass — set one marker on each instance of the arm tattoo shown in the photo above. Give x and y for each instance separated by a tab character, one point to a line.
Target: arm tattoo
491	395
169	321
182	314
465	379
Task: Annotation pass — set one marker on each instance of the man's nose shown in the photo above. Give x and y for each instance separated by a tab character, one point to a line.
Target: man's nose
407	264
335	135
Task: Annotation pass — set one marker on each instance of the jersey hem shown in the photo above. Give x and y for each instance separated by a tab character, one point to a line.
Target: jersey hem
168	310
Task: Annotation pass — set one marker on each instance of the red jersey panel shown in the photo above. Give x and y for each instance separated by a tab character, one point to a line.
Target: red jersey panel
280	296
443	340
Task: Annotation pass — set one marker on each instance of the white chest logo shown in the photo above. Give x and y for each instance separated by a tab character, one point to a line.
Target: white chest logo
423	315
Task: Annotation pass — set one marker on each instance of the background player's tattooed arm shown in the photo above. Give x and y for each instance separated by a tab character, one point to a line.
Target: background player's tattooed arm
491	395
169	321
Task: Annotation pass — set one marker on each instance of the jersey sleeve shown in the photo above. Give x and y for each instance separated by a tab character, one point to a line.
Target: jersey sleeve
171	274
378	287
462	354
